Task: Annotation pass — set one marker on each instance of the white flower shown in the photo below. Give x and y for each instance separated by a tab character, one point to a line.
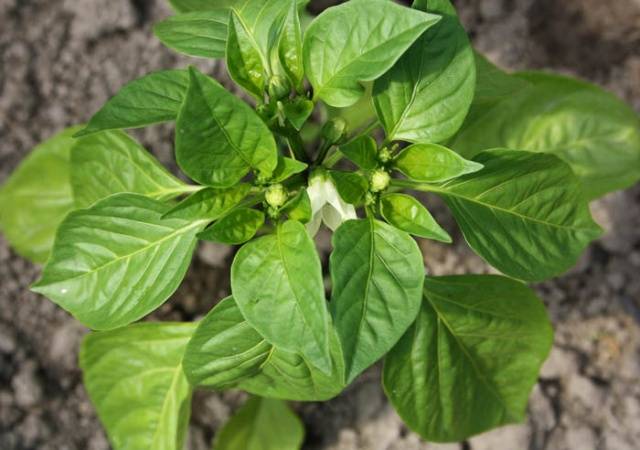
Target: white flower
326	204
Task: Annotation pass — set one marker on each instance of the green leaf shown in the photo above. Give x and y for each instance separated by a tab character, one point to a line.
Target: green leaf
219	138
408	214
297	111
112	162
377	274
37	196
117	261
277	283
426	95
286	168
227	352
224	349
299	207
351	186
433	163
367	38
209	203
151	99
290	47
290	376
363	151
592	130
244	60
470	360
202	33
261	424
235	228
134	378
183	6
524	213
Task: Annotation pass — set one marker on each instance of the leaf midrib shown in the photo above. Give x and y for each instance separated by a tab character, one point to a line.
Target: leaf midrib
177	232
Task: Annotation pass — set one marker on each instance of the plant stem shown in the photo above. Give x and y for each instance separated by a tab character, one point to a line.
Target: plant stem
416	186
297	147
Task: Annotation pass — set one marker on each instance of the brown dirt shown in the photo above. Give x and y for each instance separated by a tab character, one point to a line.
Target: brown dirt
61	59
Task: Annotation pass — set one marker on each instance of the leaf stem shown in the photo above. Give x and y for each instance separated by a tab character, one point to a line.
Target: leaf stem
417	186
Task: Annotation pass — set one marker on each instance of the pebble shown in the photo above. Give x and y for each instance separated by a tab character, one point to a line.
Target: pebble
26	388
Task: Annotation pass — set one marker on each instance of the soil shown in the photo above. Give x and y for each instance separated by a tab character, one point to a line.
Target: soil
61	59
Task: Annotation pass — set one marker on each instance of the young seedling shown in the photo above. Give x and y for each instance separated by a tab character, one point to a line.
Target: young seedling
347	121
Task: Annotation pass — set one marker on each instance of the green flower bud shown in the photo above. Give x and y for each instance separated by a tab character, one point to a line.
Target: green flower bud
276	195
384	155
279	87
335	130
379	180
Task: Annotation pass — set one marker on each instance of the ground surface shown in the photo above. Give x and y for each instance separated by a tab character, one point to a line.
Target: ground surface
61	59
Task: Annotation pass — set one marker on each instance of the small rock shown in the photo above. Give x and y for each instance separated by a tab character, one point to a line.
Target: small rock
27	389
561	363
347	440
380	432
582	438
7	342
65	344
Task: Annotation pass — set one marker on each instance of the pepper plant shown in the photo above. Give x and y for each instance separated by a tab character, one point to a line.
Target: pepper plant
339	126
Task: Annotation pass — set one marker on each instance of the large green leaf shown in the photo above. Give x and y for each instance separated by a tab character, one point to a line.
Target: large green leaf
363	151
134	378
226	351
151	99
377	274
471	358
111	162
261	424
277	283
118	260
201	33
408	214
524	213
224	348
592	130
426	95
37	196
433	163
291	376
358	41
219	138
209	203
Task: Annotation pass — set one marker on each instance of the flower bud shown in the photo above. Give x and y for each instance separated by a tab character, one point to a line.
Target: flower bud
279	87
276	195
379	180
384	155
335	130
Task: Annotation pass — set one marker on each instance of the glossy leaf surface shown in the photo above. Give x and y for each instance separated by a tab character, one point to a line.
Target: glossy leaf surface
118	260
277	283
111	162
524	213
201	33
235	228
433	163
154	98
37	196
358	41
362	151
209	203
408	214
286	168
426	95
135	380
290	47
471	358
377	274
351	186
219	138
224	348
245	62
261	424
592	130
